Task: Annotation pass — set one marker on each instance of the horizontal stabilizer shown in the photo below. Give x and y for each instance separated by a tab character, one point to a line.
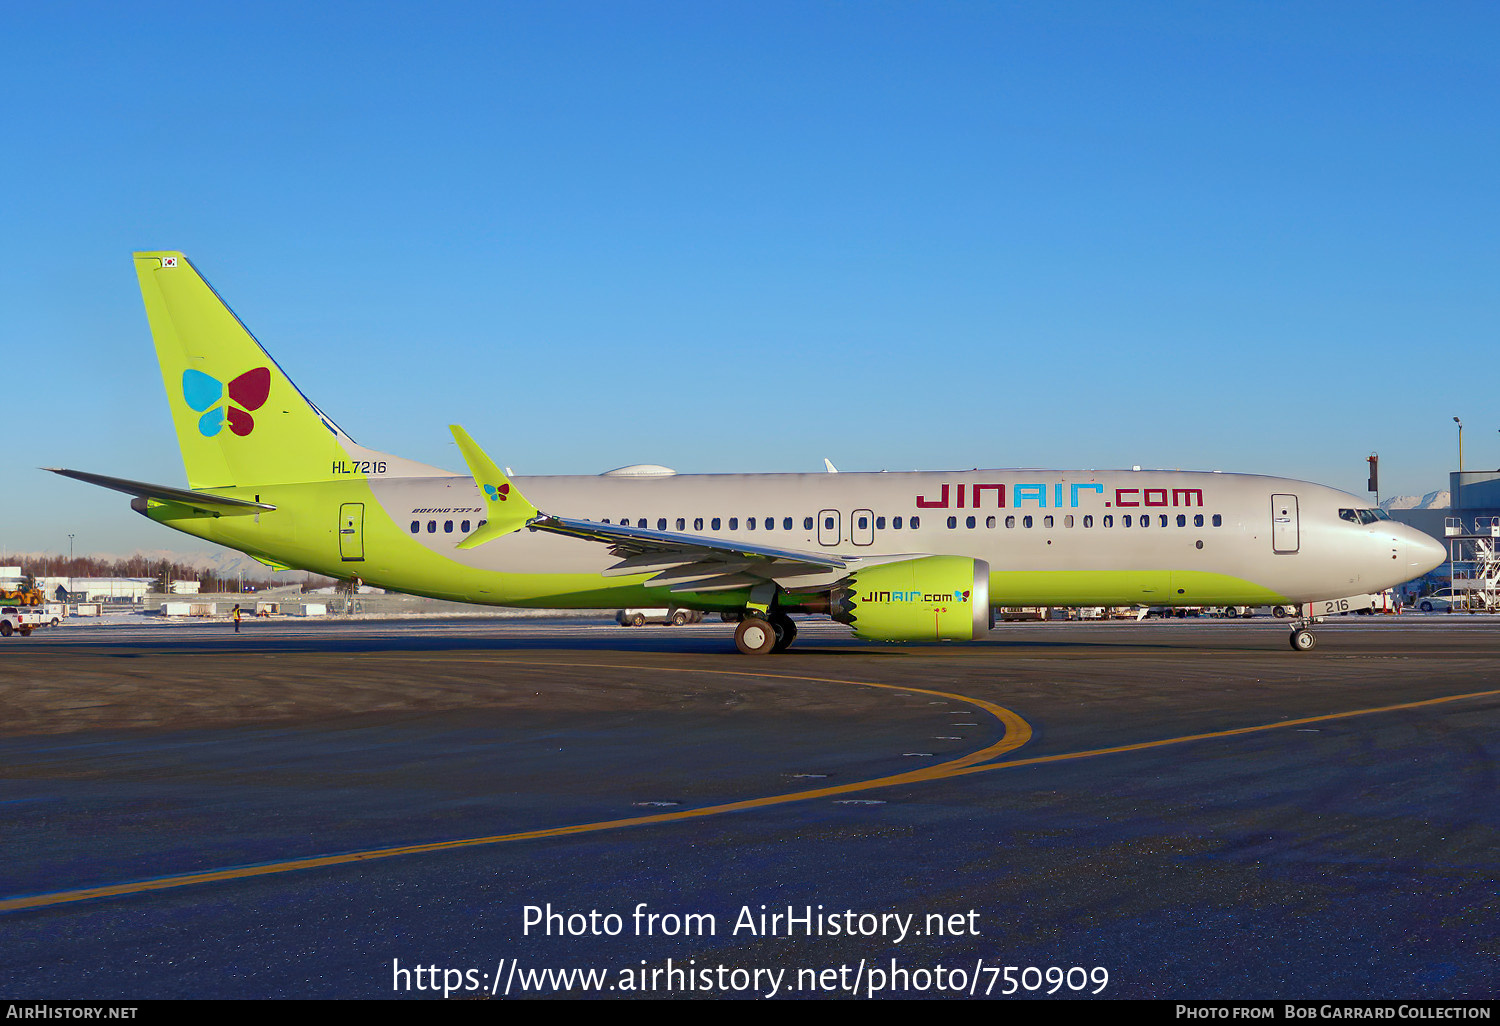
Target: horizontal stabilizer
218	505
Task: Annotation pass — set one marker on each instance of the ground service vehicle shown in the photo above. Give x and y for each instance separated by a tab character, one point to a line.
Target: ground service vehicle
641	617
21	619
1449	600
22	597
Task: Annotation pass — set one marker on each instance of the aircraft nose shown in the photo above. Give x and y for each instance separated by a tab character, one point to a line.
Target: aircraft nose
1423	552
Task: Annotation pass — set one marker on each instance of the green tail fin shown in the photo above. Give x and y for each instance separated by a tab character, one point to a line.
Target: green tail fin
239	418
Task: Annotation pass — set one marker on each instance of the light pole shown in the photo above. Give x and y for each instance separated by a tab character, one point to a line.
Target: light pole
1457	500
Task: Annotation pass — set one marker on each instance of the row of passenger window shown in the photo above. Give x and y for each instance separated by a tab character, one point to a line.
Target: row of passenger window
915	523
432	526
863	522
766	523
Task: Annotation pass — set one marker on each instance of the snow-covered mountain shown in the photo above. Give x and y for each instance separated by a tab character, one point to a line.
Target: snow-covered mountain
1432	500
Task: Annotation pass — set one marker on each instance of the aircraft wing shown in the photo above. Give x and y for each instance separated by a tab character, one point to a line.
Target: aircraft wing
689	562
204	502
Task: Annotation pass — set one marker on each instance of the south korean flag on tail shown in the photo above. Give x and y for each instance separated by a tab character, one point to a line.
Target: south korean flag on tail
169	261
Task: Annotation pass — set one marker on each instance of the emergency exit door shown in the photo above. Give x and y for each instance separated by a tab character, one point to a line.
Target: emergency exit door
1284	530
352	532
862	527
830	527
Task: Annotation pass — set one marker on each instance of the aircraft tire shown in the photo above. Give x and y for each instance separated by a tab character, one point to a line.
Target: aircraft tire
1303	640
786	632
755	636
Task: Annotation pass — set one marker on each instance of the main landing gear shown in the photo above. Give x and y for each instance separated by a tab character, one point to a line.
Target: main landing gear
757	635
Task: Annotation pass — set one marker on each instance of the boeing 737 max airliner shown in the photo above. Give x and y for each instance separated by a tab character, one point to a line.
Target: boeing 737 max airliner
899	556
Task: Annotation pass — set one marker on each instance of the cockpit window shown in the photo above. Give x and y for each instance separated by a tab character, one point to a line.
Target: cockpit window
1363	516
1380	513
1349	515
1367	516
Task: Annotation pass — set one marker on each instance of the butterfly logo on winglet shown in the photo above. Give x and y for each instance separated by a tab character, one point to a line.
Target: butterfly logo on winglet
204	393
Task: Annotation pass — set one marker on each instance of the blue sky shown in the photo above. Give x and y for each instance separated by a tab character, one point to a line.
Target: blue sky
1249	237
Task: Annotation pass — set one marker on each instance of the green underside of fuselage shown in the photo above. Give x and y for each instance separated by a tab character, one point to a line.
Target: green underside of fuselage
394	561
1125	588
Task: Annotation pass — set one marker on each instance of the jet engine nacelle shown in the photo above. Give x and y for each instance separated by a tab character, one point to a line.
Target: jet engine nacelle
932	598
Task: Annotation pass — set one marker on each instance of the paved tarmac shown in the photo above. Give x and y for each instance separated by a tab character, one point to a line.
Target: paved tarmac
371	809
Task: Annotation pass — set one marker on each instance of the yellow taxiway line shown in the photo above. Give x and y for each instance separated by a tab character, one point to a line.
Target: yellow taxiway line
1017	733
1213	735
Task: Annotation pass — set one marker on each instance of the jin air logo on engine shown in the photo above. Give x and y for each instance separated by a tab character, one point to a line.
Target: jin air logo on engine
915	596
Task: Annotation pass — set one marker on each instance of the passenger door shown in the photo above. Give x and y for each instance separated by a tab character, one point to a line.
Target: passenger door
1285	535
352	532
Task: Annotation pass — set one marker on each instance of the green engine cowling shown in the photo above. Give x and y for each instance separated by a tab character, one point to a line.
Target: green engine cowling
932	598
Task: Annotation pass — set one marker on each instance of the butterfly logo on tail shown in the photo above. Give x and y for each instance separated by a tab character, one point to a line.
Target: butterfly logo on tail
205	394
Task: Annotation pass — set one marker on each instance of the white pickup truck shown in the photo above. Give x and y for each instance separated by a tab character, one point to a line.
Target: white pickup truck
641	617
24	619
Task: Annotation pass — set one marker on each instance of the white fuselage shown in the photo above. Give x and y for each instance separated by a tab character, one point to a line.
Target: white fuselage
1112	535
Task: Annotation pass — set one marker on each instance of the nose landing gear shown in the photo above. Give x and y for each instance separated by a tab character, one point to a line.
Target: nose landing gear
1302	639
